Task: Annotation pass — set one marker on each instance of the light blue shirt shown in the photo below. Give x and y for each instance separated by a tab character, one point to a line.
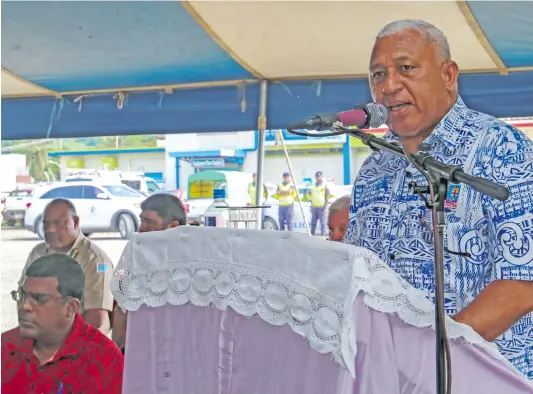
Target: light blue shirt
494	239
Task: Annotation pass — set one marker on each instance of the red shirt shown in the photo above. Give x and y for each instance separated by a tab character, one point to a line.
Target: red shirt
88	363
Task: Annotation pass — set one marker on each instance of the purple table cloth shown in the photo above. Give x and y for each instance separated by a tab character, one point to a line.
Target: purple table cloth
236	312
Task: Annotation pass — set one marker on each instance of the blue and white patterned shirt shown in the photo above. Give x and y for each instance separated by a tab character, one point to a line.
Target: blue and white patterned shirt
494	239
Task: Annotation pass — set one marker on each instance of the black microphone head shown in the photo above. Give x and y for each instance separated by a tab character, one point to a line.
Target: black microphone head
378	114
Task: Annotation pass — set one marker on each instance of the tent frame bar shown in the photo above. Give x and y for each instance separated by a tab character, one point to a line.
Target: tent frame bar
261	128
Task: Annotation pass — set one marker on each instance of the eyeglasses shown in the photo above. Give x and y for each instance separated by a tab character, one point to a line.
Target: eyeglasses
35	299
426	225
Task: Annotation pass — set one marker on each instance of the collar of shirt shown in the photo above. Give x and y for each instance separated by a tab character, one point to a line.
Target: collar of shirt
70	346
76	245
445	131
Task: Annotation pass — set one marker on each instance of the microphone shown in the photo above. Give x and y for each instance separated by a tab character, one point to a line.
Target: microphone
371	115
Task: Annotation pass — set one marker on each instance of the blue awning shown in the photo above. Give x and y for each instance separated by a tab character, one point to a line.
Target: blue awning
73	69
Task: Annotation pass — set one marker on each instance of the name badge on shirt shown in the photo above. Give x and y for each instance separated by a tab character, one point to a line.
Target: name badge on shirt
452	196
101	267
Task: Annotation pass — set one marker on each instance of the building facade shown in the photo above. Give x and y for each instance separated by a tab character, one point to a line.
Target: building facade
150	161
179	155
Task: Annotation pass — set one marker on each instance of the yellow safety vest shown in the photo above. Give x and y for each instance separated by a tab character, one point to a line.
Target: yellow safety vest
318	195
251	192
285	200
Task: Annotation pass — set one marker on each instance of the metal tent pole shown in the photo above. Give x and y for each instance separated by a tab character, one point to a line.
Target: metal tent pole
298	197
261	127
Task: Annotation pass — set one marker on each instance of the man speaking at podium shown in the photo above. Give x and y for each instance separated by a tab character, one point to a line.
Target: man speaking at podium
488	243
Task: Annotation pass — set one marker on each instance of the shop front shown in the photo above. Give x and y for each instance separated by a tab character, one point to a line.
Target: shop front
189	163
307	156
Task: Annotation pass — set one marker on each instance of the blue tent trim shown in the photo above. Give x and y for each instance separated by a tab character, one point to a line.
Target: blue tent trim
219	108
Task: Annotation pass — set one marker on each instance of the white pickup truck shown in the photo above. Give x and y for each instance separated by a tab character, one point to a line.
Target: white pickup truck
14	208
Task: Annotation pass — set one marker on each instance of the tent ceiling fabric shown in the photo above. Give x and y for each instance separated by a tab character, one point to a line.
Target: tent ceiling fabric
86	46
330	38
67	49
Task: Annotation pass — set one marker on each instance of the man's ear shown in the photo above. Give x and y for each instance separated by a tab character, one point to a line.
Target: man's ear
173	224
73	307
76	221
450	73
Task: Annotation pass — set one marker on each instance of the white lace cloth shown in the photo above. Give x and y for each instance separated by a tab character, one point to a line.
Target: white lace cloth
285	278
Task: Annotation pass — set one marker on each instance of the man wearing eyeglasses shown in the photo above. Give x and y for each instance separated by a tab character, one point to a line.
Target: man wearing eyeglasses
62	235
488	244
53	350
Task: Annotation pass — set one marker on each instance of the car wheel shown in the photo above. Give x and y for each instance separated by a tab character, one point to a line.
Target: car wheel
87	235
269	224
39	229
11	223
126	226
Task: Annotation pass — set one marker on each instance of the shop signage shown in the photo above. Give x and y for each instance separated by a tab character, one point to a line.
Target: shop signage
208	163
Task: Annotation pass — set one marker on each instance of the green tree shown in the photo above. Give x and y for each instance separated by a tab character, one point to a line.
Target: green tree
40	167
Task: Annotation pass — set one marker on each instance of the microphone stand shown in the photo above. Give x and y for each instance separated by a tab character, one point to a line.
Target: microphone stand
437	174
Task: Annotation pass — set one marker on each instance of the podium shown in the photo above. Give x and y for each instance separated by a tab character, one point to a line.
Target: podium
228	311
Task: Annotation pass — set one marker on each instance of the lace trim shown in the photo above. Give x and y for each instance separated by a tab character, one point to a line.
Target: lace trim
327	324
387	292
275	298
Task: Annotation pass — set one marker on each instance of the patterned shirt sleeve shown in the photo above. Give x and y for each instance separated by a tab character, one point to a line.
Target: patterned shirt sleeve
114	368
506	157
10	364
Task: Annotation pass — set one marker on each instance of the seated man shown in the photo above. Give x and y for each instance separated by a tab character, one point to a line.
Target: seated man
159	212
53	350
62	235
338	218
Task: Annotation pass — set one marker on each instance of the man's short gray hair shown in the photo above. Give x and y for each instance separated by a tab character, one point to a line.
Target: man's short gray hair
431	33
69	275
168	207
57	201
339	204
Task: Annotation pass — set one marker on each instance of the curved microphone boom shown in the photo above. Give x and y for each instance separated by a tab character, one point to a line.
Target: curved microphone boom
371	115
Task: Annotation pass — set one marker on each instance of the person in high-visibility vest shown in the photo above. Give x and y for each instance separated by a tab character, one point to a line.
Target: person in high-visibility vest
285	193
319	200
252	188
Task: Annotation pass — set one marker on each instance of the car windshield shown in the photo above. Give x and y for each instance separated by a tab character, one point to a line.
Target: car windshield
152	186
122	191
20	193
132	183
